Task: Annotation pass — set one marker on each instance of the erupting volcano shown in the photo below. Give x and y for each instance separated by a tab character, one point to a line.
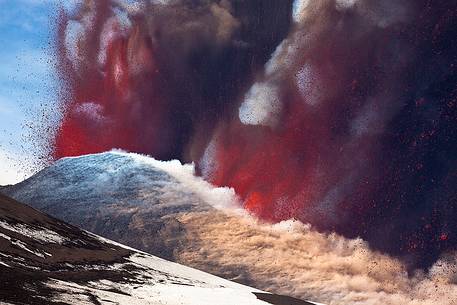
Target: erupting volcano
339	113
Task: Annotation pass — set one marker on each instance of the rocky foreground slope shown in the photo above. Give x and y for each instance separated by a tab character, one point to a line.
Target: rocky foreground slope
46	261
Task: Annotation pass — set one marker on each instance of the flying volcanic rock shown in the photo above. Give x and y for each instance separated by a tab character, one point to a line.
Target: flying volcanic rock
46	261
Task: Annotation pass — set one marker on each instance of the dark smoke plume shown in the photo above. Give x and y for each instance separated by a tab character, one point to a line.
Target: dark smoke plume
156	78
340	113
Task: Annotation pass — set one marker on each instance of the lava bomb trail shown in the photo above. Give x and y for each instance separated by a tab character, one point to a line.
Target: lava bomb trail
339	113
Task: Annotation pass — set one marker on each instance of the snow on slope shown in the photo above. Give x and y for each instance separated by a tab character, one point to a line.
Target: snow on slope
110	192
46	261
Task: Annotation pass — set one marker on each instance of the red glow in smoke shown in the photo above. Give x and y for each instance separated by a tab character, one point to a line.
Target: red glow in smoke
115	103
285	173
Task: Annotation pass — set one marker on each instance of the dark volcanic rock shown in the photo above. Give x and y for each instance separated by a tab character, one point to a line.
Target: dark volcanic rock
35	248
46	261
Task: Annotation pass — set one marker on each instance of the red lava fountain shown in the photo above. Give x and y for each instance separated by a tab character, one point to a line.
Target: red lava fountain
116	97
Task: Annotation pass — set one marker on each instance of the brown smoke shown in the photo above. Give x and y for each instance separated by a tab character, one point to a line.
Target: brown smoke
291	258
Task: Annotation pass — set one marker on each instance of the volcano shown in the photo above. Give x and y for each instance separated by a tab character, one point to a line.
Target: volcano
114	195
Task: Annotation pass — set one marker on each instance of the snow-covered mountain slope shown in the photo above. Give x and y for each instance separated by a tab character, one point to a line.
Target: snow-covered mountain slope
116	195
46	261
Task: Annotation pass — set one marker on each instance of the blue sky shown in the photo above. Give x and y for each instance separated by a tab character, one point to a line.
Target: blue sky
27	81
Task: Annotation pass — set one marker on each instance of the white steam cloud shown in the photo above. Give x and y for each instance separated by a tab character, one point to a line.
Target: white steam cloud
261	104
220	197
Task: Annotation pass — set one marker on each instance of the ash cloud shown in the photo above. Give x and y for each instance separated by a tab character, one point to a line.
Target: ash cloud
339	113
294	259
170	70
350	129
